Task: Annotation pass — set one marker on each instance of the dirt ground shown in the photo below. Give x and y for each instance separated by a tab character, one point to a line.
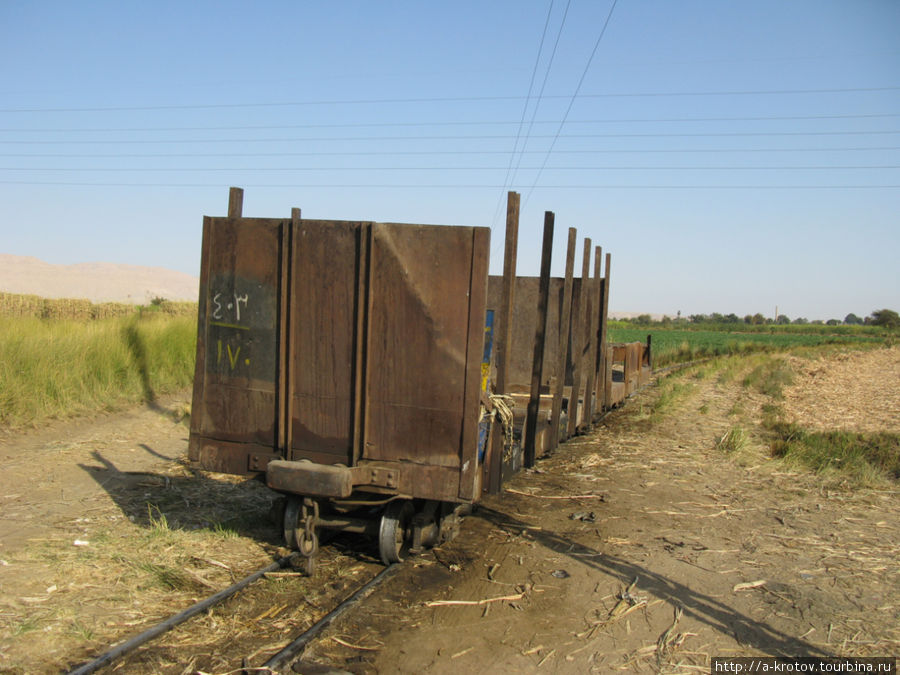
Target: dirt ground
641	547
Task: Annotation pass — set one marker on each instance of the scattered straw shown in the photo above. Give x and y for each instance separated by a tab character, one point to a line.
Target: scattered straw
285	574
199	579
665	645
748	585
544	660
353	646
531	494
478	603
271	611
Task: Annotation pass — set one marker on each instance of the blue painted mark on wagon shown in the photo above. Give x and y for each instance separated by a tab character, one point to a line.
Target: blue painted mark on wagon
484	426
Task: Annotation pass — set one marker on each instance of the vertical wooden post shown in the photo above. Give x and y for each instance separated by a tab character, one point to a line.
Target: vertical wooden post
360	348
540	333
198	410
471	474
579	307
503	334
565	332
591	364
283	392
603	367
235	202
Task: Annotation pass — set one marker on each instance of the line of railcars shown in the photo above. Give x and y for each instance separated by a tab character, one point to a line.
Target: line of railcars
381	380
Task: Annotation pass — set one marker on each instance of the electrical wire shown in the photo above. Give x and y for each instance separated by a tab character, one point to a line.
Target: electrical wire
269	127
478	137
462	168
512	156
411	153
445	99
572	100
541	93
466	186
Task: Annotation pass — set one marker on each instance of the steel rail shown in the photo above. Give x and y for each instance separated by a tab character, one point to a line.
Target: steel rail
164	626
298	644
295	647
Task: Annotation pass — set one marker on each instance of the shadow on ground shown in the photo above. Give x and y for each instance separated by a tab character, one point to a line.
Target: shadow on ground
193	500
188	499
702	607
138	350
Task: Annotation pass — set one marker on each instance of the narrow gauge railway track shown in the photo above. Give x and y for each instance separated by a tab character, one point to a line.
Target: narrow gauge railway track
280	660
293	649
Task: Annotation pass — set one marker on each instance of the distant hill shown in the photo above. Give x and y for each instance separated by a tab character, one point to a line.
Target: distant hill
97	282
111	282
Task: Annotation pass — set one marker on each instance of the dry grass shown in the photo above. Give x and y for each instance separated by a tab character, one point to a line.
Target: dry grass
845	390
63	368
36	307
161	543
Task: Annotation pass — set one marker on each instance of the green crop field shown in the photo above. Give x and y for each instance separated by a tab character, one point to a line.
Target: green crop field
674	345
62	367
72	360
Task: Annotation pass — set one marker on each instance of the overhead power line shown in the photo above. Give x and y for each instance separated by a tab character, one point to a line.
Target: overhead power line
358	125
324	169
574	96
512	156
480	137
468	186
406	153
444	99
540	95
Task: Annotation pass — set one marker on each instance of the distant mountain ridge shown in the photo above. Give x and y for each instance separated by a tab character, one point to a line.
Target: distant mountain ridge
95	281
113	282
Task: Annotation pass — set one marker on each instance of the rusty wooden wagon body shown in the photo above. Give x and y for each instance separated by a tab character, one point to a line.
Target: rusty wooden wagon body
343	360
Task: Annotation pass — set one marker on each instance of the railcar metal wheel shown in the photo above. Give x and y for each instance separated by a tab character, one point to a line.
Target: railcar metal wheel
300	525
394	532
292	521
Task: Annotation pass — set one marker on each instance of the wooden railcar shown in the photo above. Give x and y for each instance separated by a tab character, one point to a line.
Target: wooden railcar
359	368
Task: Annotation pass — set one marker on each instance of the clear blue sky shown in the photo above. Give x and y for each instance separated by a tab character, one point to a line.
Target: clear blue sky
732	156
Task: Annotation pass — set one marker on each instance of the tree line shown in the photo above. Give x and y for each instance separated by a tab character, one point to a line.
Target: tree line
886	318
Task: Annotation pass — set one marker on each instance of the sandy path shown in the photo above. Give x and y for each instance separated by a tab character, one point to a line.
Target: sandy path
65	470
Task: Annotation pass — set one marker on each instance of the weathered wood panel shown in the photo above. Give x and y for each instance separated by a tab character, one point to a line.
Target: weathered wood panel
324	336
237	348
524	317
426	286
